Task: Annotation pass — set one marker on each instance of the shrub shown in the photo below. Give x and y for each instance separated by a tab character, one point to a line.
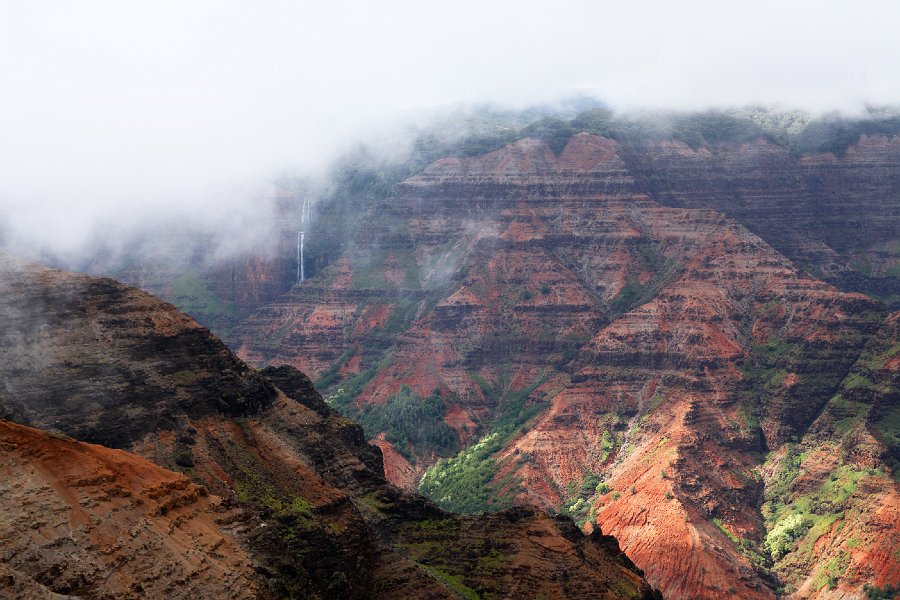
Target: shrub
780	540
555	132
407	419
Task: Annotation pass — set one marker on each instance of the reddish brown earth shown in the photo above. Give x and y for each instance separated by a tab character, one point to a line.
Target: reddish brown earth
674	347
293	486
86	520
397	469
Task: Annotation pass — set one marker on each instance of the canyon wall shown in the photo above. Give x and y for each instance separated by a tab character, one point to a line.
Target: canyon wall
606	332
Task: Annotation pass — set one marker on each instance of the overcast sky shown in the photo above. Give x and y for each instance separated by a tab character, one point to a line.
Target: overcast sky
123	108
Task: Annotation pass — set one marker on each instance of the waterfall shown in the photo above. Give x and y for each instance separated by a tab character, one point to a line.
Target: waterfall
304	218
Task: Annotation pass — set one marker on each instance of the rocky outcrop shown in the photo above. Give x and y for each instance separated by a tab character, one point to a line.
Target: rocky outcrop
85	520
109	363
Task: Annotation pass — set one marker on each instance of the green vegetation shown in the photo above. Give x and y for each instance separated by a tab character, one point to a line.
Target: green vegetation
342	399
599	121
589	483
513	409
293	513
634	293
779	491
555	132
858	380
577	509
715	127
747	548
331	375
465	483
794	131
797	517
887	424
369	270
408	420
454	582
192	295
832	571
607	444
888	592
493	564
718	523
877	360
630	296
581	498
835	134
780	539
773	350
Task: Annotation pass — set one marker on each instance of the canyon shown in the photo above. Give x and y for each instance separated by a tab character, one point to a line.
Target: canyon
638	336
563	341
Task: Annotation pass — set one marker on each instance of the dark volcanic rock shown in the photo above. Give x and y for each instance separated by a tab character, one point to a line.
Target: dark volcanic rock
108	364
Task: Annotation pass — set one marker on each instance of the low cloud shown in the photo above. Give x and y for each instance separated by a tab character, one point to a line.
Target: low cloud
116	115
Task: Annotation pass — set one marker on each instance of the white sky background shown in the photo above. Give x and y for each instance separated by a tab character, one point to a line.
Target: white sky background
116	111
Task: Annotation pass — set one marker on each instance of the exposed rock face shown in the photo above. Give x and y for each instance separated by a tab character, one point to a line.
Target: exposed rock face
297	505
837	216
109	362
671	346
89	521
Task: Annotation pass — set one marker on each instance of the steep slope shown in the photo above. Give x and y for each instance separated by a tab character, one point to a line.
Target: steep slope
832	508
119	362
812	208
85	520
627	363
301	490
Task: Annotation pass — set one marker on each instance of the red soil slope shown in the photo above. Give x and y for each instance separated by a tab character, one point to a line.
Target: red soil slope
82	519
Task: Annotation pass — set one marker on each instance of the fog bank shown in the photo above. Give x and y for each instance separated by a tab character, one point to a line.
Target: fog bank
117	114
